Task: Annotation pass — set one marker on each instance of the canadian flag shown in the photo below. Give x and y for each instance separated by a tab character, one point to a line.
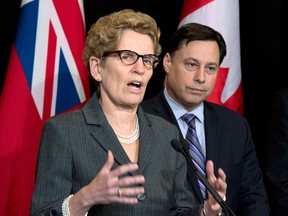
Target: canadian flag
223	16
45	77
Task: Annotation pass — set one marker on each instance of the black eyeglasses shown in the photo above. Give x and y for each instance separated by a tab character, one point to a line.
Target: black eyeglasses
129	57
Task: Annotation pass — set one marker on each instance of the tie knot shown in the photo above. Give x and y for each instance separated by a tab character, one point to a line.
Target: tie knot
189	118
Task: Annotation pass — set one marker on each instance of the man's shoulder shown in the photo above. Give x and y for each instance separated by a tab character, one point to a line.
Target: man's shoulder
223	114
156	105
148	102
220	109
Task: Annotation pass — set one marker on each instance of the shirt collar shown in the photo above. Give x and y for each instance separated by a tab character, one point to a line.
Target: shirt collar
180	111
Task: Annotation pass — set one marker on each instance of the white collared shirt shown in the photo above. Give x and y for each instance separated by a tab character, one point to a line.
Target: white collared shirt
179	111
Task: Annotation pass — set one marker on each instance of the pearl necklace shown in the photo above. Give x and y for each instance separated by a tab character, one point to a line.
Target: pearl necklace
131	138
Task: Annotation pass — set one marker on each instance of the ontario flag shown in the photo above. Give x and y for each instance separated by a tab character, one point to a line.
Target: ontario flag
223	16
45	77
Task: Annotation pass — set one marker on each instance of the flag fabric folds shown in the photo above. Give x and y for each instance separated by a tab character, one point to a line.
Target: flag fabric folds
223	16
46	76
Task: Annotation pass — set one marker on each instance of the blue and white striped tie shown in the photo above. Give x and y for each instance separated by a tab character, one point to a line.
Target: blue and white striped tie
195	149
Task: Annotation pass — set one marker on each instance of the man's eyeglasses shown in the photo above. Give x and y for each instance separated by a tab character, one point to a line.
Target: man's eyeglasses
129	57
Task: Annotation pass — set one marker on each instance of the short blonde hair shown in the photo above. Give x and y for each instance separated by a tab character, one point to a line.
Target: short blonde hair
104	35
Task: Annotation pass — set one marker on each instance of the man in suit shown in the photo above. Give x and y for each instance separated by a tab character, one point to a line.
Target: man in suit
191	64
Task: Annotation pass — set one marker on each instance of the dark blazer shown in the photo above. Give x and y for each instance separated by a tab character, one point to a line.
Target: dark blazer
74	148
229	145
277	155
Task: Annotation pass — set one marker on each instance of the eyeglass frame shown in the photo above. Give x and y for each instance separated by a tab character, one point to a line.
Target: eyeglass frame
119	52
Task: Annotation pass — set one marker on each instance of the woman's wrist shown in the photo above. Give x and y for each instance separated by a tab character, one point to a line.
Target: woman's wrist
65	206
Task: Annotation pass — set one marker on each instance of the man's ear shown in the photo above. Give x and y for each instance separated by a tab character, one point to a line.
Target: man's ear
167	62
95	68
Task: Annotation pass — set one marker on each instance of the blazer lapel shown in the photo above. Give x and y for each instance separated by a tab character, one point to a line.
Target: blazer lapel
146	140
105	137
163	109
211	134
103	133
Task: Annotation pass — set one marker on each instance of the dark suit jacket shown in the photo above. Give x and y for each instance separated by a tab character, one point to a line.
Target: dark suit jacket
229	145
277	155
74	148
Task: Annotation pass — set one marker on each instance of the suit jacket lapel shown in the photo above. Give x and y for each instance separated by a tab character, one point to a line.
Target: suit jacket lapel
162	109
146	140
211	134
106	138
103	132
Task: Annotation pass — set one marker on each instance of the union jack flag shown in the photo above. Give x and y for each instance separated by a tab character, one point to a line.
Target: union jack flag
46	76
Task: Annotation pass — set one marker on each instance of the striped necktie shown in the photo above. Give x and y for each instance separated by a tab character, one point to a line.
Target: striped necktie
195	149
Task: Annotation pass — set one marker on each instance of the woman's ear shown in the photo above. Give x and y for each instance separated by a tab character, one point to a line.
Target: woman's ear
95	68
